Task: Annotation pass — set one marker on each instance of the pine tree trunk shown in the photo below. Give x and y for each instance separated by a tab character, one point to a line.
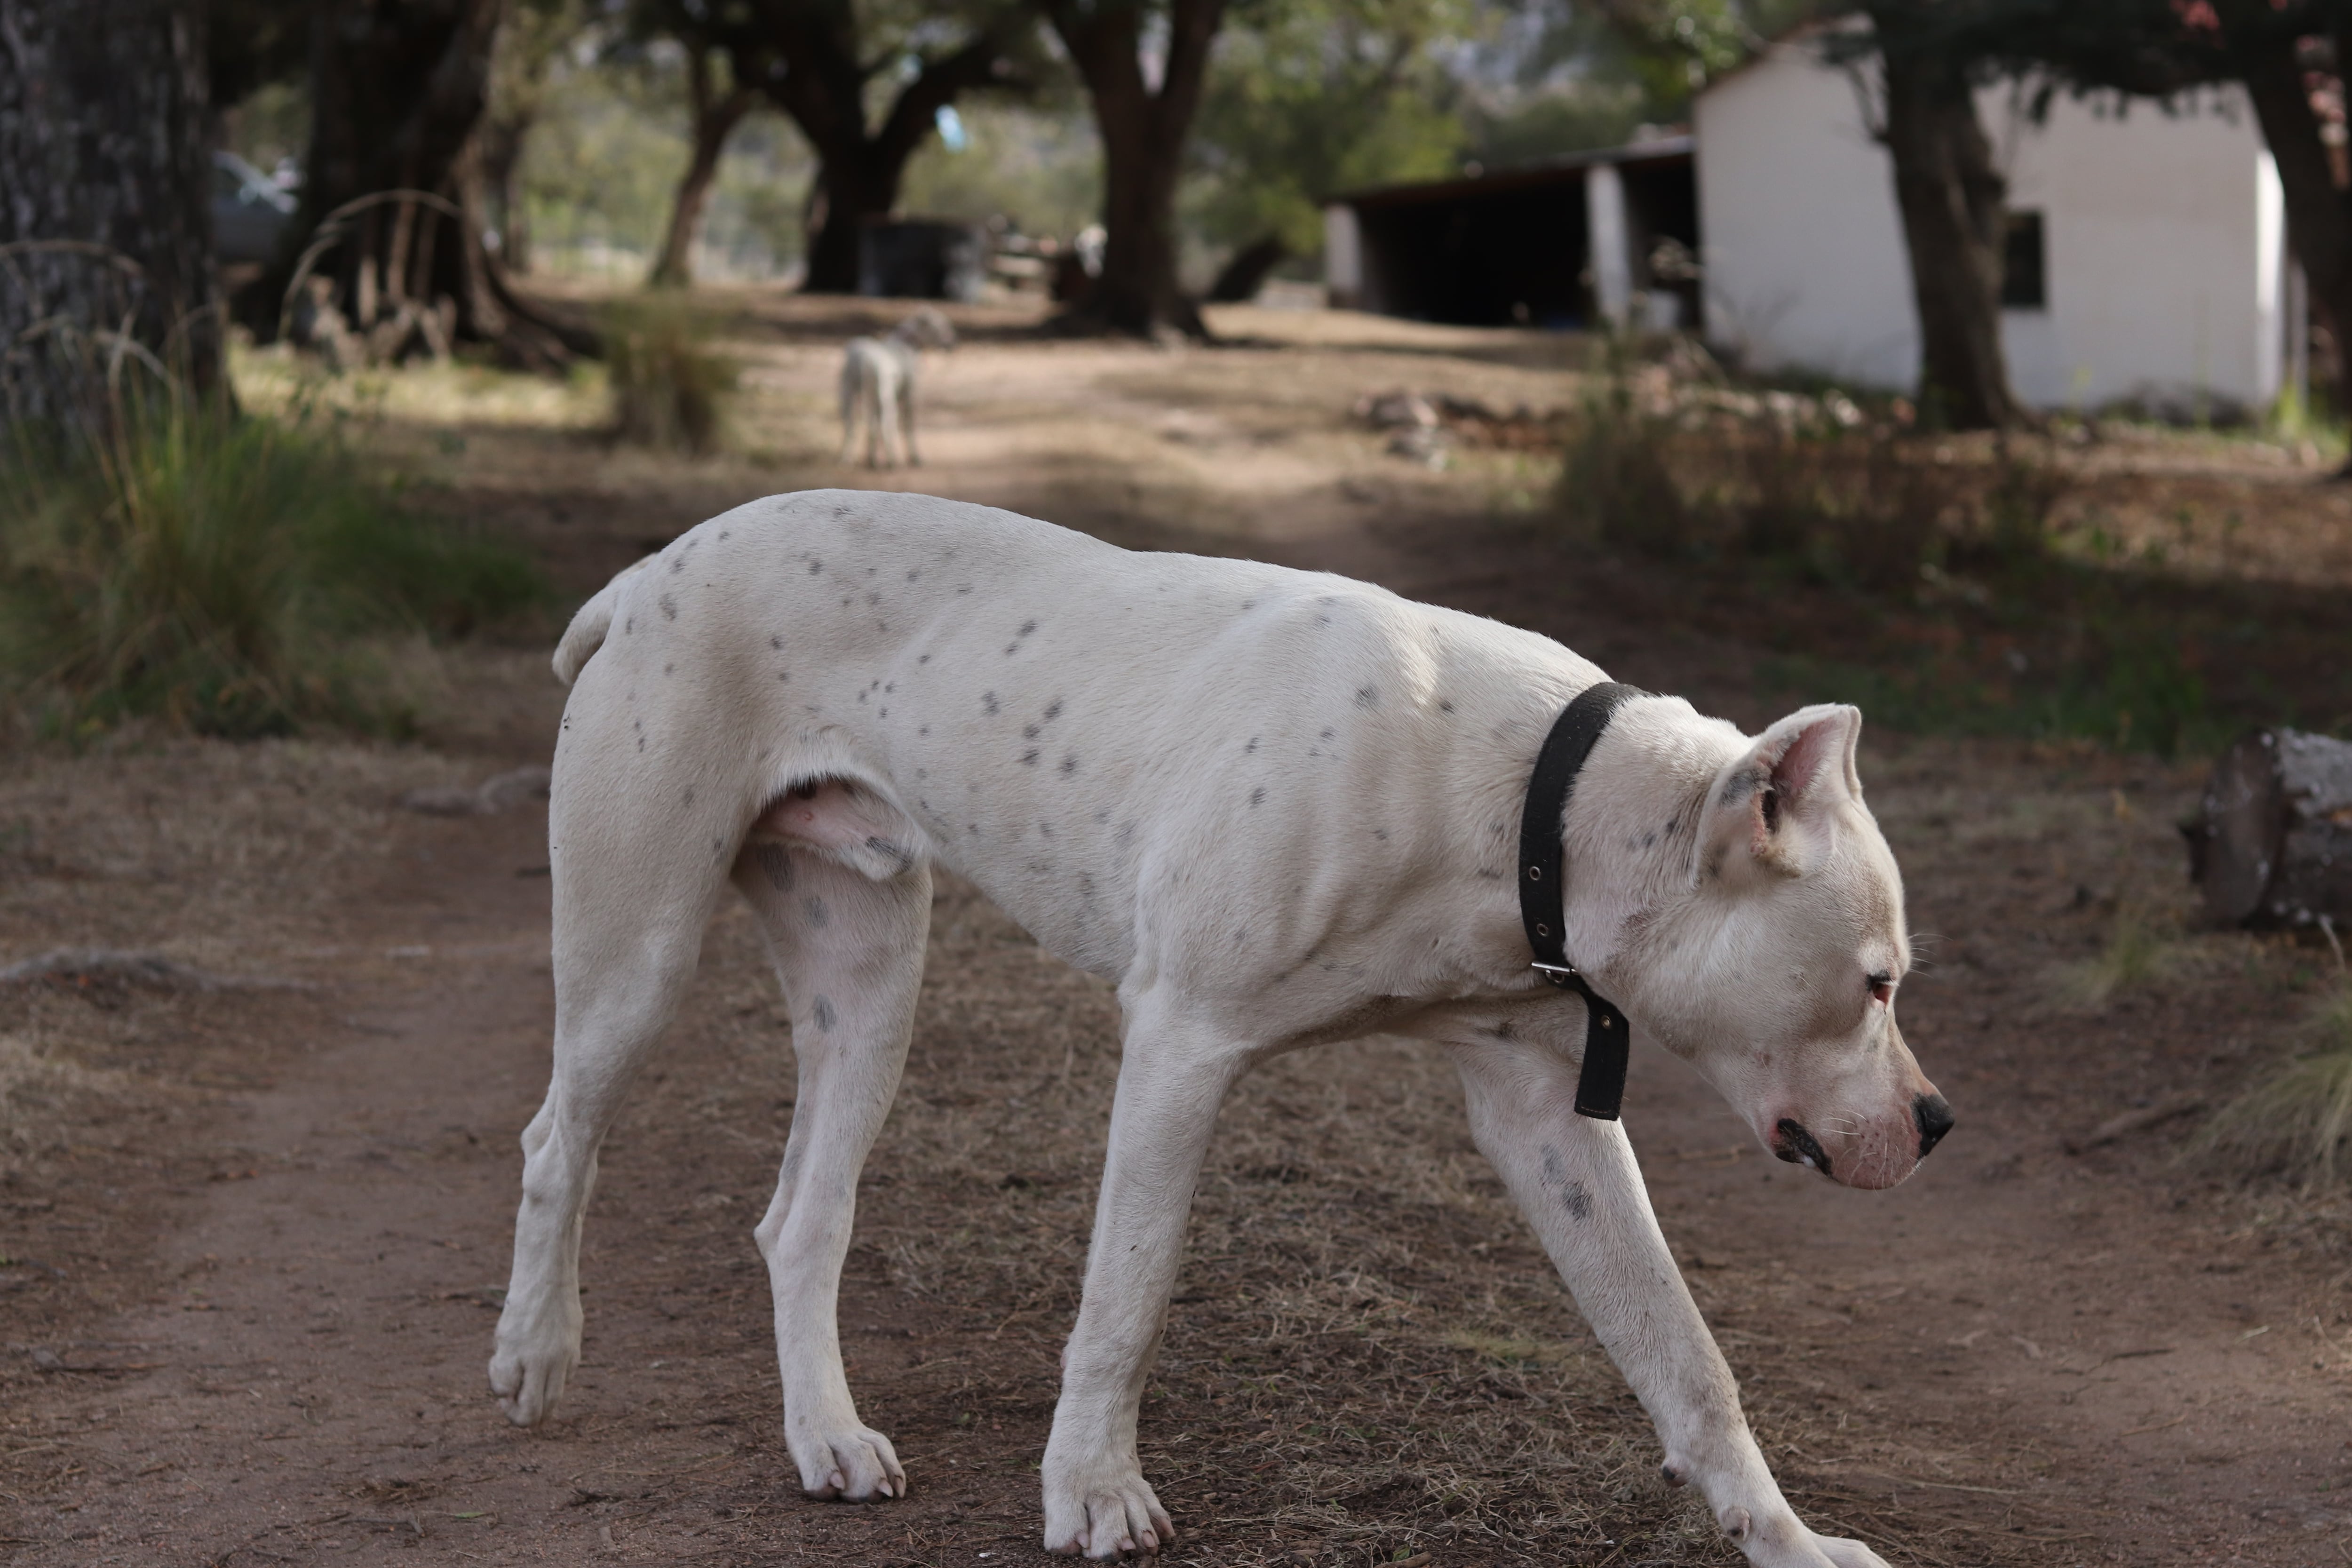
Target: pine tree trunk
105	176
715	118
1949	194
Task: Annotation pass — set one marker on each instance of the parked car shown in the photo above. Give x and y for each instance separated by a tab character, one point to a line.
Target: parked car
249	211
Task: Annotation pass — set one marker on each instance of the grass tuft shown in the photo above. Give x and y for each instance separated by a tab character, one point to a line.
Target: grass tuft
230	576
671	390
2294	1125
2141	949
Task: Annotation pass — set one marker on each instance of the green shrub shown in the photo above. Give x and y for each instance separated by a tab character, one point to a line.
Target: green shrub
670	389
226	574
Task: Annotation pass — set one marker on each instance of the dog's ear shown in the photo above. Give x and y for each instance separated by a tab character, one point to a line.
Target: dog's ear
1766	805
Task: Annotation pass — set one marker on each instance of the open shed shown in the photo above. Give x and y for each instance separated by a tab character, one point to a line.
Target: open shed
1569	243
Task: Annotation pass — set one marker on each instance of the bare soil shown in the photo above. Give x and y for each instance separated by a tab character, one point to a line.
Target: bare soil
252	1239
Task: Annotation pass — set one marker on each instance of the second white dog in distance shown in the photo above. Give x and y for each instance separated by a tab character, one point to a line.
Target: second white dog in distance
877	387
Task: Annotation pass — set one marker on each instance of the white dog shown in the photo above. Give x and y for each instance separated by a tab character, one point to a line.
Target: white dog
877	386
1277	808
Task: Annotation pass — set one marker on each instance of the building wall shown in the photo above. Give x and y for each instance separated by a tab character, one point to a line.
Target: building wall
2162	240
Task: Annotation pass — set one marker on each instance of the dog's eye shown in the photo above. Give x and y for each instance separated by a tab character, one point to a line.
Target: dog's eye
1882	987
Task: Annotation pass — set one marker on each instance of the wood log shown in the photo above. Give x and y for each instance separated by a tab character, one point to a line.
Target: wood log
2272	842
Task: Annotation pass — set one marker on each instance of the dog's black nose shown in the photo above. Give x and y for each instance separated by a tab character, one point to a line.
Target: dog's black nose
1934	1120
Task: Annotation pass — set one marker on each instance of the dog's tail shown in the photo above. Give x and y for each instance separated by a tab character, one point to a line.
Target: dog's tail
586	633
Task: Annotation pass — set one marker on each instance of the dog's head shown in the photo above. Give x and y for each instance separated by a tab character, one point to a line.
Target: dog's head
1774	969
927	329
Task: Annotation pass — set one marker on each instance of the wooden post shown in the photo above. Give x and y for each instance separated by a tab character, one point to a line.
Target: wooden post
2272	842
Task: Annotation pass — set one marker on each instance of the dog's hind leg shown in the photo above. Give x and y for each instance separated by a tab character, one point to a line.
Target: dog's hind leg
1172	1077
1576	1182
635	878
850	399
849	952
906	418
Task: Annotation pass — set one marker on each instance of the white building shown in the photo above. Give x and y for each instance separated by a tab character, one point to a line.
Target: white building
2146	248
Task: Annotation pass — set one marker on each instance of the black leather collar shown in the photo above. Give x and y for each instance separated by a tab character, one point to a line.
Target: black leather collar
1601	1086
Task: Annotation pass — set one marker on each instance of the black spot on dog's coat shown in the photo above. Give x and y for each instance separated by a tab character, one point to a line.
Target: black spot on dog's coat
824	1015
1368	697
1257	796
818	915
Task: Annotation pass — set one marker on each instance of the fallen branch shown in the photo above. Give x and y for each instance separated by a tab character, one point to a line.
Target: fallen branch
2131	1121
82	965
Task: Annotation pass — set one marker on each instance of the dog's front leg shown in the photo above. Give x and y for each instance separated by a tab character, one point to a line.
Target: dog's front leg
1171	1079
1577	1181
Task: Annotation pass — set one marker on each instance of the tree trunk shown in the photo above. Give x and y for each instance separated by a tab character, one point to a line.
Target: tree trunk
853	188
498	152
398	94
715	118
1954	224
104	219
2318	220
1143	131
822	85
2272	843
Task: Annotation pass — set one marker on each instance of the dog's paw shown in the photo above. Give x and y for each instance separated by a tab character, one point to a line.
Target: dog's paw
1109	1513
529	1385
1783	1541
1847	1553
847	1463
528	1367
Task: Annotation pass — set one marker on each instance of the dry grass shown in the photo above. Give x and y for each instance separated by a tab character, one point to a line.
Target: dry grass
2143	947
2293	1125
671	386
44	1093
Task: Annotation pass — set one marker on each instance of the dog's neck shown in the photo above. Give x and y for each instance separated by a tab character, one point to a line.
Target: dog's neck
1632	825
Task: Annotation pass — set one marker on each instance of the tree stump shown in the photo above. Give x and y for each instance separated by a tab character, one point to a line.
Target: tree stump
2272	843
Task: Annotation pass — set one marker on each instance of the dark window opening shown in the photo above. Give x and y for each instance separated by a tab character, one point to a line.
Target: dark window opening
2023	278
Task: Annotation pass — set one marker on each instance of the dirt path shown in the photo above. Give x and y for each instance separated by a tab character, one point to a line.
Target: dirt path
2023	1355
